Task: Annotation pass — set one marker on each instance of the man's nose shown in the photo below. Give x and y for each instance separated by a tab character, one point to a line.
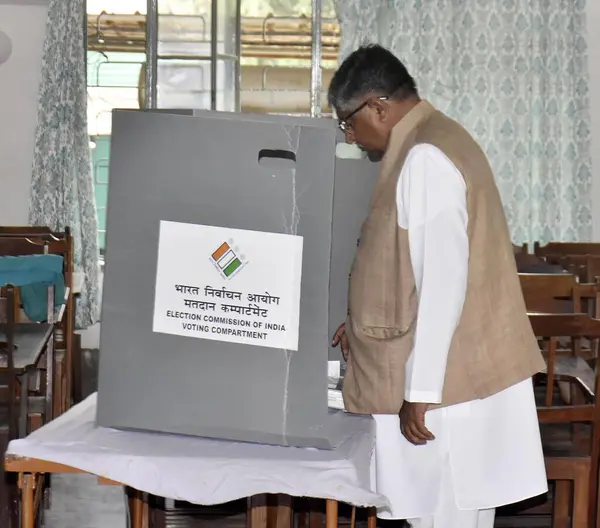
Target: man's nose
349	136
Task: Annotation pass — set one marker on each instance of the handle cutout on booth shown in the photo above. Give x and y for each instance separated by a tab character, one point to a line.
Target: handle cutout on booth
277	159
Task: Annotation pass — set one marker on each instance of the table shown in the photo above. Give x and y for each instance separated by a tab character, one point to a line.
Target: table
196	470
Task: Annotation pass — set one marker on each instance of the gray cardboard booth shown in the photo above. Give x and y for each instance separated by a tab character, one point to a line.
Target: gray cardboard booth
230	239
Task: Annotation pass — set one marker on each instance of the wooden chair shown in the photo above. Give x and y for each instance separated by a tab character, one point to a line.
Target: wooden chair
551	293
560	293
563	294
14	244
68	380
567	461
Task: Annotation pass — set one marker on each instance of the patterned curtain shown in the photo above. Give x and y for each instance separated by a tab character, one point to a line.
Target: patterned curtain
515	75
62	192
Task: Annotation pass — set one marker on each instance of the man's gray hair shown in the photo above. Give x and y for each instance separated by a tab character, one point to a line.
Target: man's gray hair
370	70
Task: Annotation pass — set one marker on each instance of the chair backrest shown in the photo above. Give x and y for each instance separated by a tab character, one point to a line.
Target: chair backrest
31	245
576	326
565	325
561	249
43	231
40	245
18	246
586	267
551	293
59	241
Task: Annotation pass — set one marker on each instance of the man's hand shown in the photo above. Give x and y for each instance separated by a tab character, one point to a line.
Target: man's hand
339	338
412	423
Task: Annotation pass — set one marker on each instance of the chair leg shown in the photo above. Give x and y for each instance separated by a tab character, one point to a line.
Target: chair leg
331	514
23	405
77	369
48	492
138	508
562	501
15	501
581	500
157	513
256	516
58	406
302	515
282	513
27	501
372	518
316	517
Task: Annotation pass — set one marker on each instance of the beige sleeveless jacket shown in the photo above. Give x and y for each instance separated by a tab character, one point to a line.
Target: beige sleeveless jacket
493	347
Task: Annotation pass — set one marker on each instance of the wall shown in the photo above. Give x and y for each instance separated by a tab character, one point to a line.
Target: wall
19	80
25	23
593	22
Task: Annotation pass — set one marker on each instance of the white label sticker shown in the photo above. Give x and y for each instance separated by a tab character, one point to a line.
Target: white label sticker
228	285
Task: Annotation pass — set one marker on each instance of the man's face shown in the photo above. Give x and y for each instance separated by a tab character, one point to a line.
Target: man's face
367	124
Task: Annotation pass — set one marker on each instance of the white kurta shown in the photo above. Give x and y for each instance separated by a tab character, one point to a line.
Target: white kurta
489	450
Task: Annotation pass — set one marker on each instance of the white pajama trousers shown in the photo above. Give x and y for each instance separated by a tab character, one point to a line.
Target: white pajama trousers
449	516
475	464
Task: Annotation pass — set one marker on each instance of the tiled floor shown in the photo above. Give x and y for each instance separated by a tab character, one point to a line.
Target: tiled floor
79	502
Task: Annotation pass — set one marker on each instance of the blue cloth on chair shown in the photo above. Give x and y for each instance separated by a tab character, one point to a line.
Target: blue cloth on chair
33	274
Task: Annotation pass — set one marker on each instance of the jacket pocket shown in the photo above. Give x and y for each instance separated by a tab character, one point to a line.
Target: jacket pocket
381	333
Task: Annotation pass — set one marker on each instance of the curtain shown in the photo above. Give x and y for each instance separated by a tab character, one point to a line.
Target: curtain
515	75
62	191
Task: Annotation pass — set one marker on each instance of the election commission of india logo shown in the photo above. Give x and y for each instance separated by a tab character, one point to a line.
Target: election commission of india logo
228	260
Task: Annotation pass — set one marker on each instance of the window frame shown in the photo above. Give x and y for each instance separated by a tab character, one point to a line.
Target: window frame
276	47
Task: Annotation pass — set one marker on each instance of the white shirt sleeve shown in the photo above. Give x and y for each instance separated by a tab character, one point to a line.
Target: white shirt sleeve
432	206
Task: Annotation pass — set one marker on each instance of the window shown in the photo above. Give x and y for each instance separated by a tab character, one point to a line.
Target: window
113	78
275	63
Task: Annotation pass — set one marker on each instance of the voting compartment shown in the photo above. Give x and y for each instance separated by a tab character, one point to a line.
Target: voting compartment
229	244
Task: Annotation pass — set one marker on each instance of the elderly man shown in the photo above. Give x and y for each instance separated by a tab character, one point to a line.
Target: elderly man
439	347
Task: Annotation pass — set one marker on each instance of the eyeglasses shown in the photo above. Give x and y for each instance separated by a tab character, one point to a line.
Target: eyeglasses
344	124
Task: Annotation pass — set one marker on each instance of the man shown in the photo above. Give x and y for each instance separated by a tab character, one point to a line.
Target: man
438	343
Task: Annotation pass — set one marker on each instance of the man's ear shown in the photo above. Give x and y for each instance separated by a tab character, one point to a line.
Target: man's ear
381	108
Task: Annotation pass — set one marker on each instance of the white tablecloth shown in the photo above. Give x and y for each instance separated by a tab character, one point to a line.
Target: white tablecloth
204	471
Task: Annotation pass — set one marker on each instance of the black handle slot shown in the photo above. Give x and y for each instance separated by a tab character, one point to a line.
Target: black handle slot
277	159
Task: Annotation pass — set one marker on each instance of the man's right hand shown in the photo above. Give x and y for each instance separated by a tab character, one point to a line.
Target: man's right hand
339	338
